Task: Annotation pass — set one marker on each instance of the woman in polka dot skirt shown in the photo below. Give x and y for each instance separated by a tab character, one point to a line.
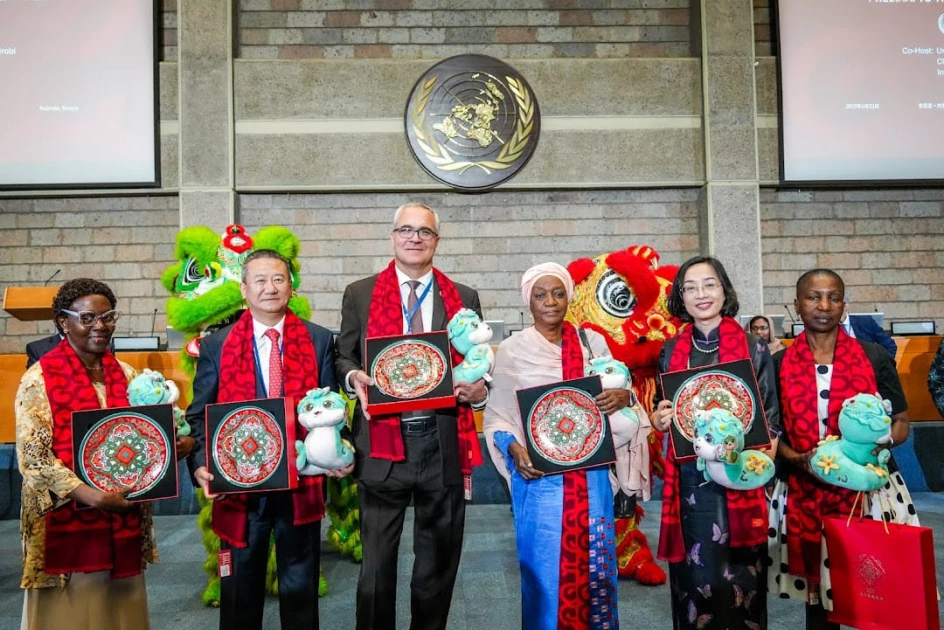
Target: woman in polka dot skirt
821	369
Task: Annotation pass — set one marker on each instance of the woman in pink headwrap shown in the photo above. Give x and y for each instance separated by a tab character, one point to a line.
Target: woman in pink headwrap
564	522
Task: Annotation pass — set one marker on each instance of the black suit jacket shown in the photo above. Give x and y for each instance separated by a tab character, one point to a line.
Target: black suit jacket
866	329
37	349
206	382
349	346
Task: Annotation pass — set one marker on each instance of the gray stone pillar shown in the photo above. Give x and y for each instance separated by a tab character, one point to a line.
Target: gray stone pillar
730	203
205	48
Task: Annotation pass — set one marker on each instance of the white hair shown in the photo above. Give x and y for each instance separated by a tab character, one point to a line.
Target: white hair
415	204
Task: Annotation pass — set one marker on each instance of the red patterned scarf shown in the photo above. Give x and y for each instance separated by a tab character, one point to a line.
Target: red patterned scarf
809	499
238	382
85	540
573	594
747	509
386	318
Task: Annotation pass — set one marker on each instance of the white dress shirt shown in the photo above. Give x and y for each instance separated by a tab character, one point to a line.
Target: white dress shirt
426	306
264	346
847	326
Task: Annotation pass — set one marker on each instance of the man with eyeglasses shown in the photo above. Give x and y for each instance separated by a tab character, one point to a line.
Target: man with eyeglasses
269	352
425	457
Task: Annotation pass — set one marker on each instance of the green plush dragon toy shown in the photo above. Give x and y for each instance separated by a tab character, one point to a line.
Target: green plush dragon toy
205	295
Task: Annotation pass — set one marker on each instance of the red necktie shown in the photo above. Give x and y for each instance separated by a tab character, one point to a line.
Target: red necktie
275	364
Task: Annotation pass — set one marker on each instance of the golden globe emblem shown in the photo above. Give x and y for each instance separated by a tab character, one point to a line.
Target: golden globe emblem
472	122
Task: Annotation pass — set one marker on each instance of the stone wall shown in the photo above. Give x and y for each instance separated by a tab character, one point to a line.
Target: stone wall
764	18
423	29
124	241
167	31
487	240
888	245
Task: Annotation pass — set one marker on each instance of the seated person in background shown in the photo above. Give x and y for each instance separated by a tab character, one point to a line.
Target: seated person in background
763	327
936	380
36	349
864	328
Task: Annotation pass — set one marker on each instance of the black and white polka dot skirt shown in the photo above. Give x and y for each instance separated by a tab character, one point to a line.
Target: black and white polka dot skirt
893	502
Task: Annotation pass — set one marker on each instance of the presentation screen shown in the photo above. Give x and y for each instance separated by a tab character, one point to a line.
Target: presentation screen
862	90
77	102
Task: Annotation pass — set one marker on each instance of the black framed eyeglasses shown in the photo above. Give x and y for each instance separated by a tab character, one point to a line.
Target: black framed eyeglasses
406	233
88	318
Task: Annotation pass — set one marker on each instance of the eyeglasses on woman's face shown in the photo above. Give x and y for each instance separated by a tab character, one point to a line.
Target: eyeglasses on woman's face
692	289
406	233
89	318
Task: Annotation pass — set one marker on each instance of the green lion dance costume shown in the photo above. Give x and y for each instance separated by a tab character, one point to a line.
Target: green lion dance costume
204	287
622	296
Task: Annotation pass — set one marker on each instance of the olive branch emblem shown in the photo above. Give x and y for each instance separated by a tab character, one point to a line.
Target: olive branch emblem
440	155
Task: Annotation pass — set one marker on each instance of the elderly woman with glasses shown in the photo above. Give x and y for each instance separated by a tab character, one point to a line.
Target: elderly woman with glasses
713	538
564	522
84	550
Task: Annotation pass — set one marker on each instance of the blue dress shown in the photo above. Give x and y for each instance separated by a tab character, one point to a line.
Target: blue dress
538	507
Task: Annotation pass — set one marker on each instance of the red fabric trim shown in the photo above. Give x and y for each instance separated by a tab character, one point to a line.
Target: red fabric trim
747	509
810	500
88	539
385	318
573	595
580	269
237	383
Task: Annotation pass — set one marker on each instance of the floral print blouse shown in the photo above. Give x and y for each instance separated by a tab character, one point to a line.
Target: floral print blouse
47	481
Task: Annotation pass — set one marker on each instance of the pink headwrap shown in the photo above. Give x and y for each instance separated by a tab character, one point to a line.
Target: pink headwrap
539	271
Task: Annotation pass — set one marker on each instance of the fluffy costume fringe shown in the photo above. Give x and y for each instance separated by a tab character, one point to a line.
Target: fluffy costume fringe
633	556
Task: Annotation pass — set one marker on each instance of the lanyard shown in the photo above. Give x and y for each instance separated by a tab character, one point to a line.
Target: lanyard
260	377
419	302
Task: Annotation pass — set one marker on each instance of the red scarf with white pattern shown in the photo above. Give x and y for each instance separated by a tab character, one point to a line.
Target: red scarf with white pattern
85	540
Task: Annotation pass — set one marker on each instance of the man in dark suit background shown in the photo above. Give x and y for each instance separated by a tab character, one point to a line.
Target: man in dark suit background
864	327
428	468
267	341
36	349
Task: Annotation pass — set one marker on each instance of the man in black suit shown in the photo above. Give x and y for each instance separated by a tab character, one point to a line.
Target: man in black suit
408	296
36	349
264	341
864	327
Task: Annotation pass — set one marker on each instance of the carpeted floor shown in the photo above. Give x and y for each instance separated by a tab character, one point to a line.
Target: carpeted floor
487	592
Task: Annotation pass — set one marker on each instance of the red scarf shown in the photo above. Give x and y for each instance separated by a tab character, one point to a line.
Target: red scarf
238	382
811	500
85	540
385	318
747	509
573	594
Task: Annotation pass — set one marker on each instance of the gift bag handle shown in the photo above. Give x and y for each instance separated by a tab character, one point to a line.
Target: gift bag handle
862	509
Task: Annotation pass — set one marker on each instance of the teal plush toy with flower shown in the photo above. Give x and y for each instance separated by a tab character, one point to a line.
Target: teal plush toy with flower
719	444
849	461
151	388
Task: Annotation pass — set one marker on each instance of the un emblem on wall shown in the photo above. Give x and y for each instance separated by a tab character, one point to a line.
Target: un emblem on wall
472	122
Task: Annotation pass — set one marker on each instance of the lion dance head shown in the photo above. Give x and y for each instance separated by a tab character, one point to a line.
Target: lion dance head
204	280
623	296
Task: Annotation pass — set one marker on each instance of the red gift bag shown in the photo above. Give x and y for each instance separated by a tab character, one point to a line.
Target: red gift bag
882	574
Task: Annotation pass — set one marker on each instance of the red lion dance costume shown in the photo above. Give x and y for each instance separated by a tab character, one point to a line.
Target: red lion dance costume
623	296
